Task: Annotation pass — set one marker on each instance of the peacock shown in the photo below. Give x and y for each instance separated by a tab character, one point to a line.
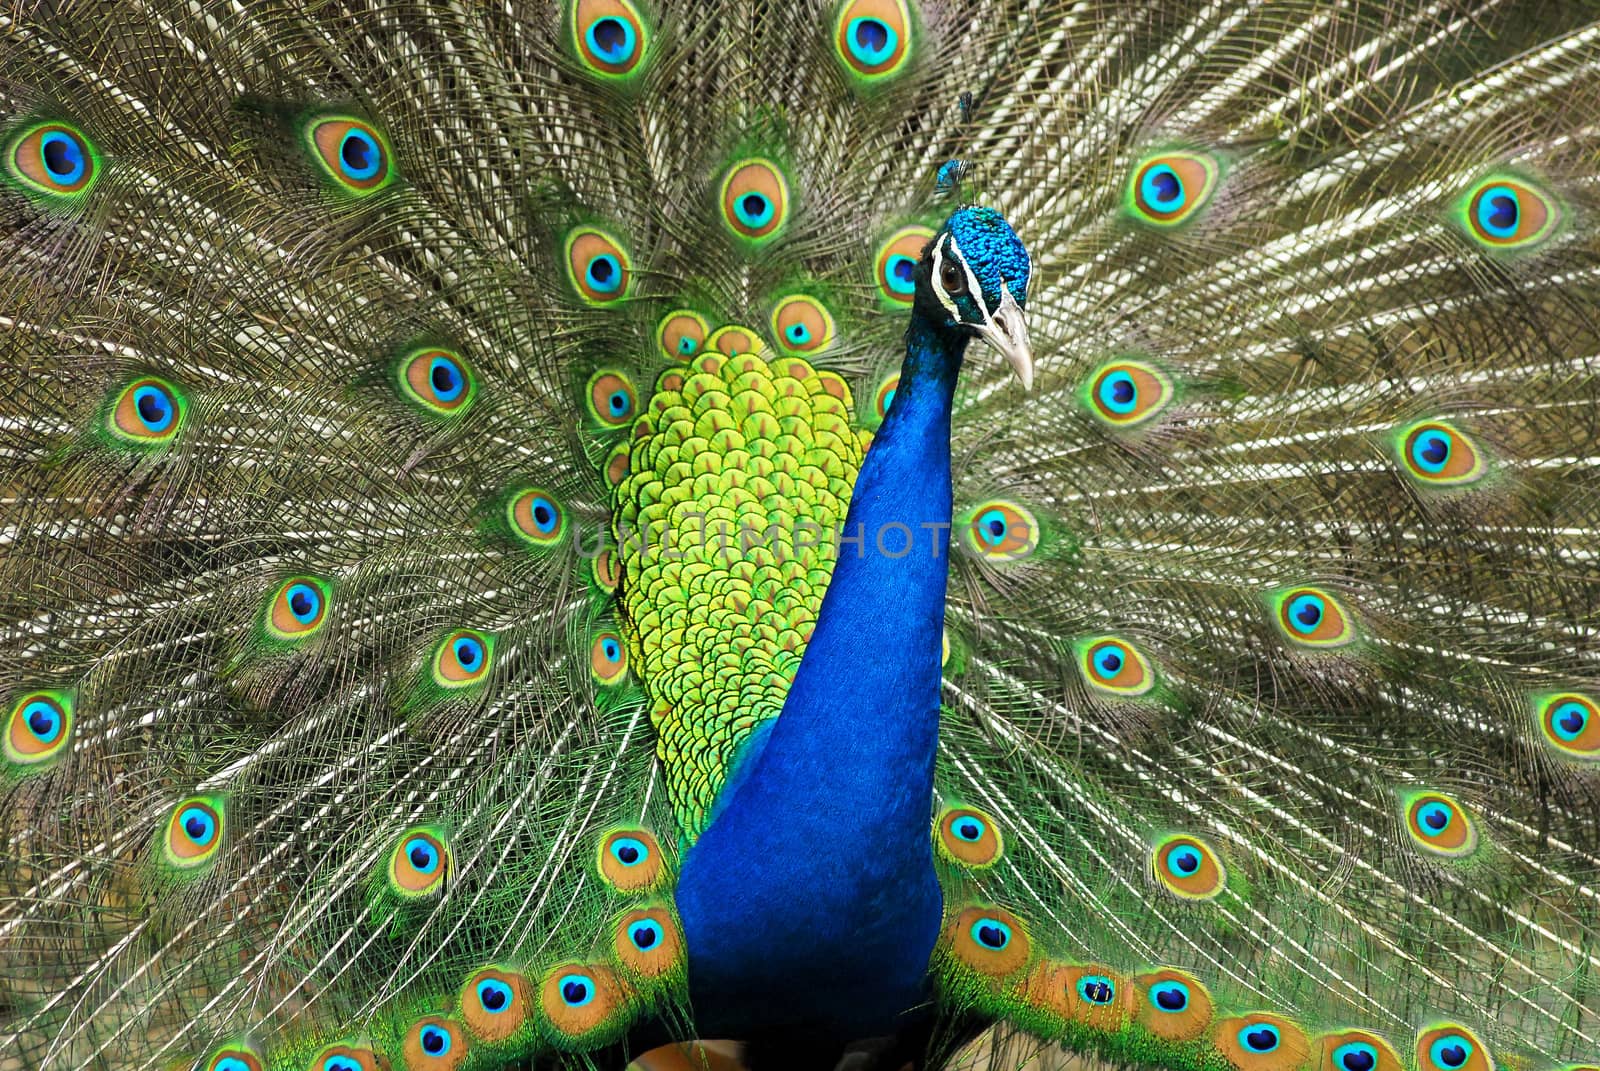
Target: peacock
888	534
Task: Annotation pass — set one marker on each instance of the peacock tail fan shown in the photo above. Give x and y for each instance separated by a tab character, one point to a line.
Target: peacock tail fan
425	431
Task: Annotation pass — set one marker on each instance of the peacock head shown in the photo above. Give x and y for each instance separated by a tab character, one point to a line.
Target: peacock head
973	278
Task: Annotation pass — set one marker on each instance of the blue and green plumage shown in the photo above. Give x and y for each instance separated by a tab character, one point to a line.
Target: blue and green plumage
389	391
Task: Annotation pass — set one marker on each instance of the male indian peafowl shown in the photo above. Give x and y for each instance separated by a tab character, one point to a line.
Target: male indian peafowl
507	554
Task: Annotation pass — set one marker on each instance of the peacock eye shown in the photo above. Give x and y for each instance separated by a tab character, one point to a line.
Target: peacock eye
352	153
953	279
55	160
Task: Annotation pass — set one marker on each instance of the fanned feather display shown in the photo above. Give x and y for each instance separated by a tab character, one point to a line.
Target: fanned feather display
426	431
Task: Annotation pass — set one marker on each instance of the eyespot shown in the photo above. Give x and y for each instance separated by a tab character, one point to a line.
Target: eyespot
630	860
1356	1050
611	398
1001	531
1169	188
149	411
580	1000
439	381
647	942
494	1003
298	608
597	266
682	334
608	658
1449	1047
884	396
1438	824
968	837
234	1057
1570	723
873	38
1188	867
755	199
606	572
534	516
351	152
1125	393
989	940
611	37
463	659
1114	667
194	832
347	1058
617	465
435	1043
1438	454
418	864
1173	1006
1506	214
1310	617
896	264
732	340
801	324
55	160
39	730
1262	1042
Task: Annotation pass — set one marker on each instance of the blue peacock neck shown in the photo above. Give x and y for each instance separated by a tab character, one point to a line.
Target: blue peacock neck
812	895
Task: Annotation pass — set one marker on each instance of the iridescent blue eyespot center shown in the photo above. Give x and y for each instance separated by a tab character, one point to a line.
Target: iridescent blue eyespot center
991	934
1355	1056
619	402
799	334
1259	1037
198	825
423	856
435	1040
544	514
969	828
611	649
1305	613
63	157
1433	818
230	1063
1499	211
1185	861
1097	989
992	527
645	934
687	346
628	851
1450	1051
43	721
1430	450
359	155
611	39
446	378
902	274
1170	996
1108	661
1119	393
154	407
494	995
1569	720
754	210
576	990
872	41
604	273
1162	188
340	1063
468	652
304	602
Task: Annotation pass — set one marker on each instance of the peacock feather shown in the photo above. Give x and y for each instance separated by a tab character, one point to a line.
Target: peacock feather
509	552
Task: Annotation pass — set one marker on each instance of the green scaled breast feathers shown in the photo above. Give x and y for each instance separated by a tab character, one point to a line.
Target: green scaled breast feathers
738	479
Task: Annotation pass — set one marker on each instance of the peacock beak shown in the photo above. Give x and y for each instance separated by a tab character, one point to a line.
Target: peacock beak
1007	332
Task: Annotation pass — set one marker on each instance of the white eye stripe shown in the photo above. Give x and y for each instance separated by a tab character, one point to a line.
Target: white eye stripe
972	280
